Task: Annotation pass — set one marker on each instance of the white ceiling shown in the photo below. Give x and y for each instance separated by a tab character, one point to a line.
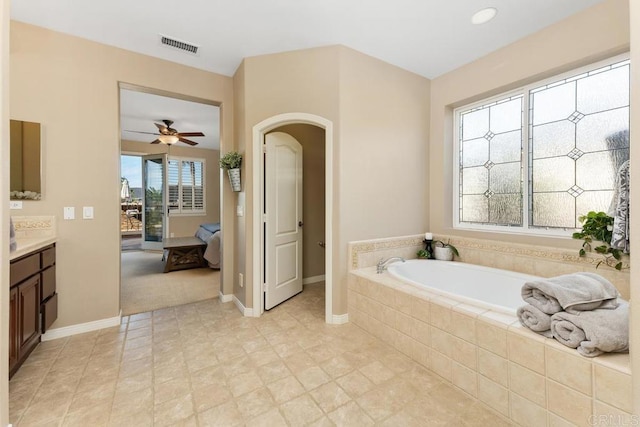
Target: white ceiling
427	37
139	111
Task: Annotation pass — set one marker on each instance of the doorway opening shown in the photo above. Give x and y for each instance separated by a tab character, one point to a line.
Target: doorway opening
326	243
169	188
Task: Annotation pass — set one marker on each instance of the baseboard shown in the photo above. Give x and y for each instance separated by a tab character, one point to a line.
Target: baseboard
340	319
81	328
313	279
247	312
225	298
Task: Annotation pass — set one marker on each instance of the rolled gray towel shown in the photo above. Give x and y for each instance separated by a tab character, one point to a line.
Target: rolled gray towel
535	320
594	332
573	293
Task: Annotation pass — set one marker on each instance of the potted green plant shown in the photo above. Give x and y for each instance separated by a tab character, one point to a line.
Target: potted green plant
444	251
231	162
598	226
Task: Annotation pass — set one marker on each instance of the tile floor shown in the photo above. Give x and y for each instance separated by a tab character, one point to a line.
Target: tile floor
203	364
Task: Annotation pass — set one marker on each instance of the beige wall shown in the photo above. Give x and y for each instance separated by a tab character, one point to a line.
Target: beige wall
186	225
301	81
70	86
313	195
380	117
597	33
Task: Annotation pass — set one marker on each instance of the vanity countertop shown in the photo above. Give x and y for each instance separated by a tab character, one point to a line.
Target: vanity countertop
33	233
29	244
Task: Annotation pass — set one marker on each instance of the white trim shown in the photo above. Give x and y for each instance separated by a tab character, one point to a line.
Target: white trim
224	298
247	312
313	279
81	328
259	130
340	319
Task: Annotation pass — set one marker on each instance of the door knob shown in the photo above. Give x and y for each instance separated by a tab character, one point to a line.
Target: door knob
300	223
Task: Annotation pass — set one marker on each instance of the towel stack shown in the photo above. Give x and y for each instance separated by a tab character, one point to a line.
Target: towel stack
580	310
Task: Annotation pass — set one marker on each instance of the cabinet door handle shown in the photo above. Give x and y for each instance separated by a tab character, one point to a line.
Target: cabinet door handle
300	223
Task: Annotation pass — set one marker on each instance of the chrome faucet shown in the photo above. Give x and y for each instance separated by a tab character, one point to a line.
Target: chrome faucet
382	264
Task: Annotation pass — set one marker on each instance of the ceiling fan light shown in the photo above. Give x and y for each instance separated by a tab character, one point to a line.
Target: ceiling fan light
168	139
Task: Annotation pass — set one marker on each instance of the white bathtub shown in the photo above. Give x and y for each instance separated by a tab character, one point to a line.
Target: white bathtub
485	287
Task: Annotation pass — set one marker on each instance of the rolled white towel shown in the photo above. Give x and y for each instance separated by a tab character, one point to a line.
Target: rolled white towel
534	319
573	293
594	332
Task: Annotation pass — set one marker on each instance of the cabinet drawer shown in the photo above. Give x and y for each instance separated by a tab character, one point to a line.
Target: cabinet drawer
49	311
24	268
48	257
48	282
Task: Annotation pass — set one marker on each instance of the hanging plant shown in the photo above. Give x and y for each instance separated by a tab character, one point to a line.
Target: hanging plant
231	160
598	226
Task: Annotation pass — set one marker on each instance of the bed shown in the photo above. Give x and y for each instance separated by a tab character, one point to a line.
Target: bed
210	234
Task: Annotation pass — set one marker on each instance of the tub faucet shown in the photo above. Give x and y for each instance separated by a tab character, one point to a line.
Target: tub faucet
382	264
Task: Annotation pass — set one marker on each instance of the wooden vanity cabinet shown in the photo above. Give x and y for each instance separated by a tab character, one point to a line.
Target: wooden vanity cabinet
33	303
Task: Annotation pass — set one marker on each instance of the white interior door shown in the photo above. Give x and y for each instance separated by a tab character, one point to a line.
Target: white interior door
283	208
154	219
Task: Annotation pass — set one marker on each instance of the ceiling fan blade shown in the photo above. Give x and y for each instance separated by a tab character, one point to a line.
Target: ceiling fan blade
138	131
190	134
162	128
186	141
157	141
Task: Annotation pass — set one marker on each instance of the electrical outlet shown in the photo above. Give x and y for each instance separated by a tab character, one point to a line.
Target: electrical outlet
241	279
69	213
15	204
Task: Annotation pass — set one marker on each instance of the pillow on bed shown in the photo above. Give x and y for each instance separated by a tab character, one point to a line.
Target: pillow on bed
212	227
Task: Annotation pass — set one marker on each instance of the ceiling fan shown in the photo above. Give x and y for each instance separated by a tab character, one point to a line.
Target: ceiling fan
169	135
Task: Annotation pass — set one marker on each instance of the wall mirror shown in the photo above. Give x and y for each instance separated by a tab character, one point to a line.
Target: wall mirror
25	177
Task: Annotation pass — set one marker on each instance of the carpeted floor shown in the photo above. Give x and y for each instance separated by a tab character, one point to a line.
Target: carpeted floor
144	287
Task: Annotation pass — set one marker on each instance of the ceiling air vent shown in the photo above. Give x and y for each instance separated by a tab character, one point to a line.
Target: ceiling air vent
178	44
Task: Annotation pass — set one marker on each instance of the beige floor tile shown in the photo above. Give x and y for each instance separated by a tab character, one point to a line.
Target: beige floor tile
204	364
223	415
173	411
210	396
97	415
377	372
172	389
313	377
301	410
350	415
285	389
244	383
355	384
273	371
330	396
255	403
273	418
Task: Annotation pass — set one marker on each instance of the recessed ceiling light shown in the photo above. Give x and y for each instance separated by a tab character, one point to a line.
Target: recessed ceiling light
484	15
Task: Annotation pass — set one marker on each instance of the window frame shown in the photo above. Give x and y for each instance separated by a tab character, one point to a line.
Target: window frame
525	148
180	211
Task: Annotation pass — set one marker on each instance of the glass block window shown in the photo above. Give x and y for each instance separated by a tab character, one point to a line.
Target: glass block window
186	185
544	155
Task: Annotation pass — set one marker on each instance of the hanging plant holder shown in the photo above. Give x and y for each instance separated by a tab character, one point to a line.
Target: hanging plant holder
234	179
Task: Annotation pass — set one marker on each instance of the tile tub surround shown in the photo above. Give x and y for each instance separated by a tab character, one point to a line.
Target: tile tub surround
541	261
522	376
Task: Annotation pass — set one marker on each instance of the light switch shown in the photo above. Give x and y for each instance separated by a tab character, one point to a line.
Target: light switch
239	210
87	212
69	213
15	204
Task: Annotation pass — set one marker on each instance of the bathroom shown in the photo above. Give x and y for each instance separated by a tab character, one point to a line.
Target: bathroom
402	127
